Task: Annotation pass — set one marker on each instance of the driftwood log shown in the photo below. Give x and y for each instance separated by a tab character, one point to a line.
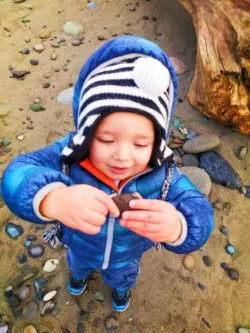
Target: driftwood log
221	84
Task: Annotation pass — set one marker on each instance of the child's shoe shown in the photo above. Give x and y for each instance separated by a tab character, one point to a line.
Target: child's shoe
76	287
120	299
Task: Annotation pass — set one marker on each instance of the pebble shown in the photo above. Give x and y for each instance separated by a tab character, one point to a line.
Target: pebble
207	261
3	328
36	107
190	160
206	323
48	308
97	322
91	306
230	249
50	265
30	329
220	171
72	28
224	230
76	42
191	135
45	34
199	178
201	286
53	56
8	291
34	62
14	231
25	50
243	330
233	274
101	37
112	324
20	137
91	5
224	266
247	191
31	311
47	297
46	85
22	259
65	96
242	152
189	262
31	238
201	143
39	48
56	45
24	292
36	250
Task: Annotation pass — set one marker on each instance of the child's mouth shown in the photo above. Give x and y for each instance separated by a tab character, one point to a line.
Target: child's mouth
118	170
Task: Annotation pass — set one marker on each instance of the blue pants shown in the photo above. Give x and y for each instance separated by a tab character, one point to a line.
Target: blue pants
120	278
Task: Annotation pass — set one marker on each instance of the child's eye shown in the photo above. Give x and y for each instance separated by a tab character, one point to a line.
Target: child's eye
105	140
141	145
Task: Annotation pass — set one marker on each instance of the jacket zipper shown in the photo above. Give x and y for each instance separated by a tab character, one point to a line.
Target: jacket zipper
111	225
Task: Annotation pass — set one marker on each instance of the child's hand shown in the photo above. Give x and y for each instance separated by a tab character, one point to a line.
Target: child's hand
154	219
80	207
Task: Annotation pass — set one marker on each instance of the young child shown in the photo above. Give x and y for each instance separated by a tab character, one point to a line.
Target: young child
123	101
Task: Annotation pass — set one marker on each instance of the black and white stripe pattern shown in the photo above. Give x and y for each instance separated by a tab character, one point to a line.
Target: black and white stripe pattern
132	83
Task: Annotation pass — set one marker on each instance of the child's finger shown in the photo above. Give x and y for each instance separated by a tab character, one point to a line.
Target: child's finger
147	204
109	203
141	226
141	215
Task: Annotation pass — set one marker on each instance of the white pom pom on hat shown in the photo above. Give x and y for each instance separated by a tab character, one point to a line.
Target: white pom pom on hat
151	76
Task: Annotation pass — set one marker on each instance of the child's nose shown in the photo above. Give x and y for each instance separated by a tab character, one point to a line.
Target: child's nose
122	152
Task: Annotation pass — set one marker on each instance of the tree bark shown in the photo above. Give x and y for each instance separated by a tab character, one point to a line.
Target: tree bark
221	83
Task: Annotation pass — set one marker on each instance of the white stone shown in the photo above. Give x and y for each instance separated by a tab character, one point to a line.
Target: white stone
49	295
39	47
65	96
72	28
20	137
50	265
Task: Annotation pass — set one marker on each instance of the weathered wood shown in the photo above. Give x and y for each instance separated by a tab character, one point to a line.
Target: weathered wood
221	84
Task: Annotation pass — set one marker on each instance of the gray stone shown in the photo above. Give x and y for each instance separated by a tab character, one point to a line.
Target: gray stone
24	292
190	160
31	311
201	143
199	178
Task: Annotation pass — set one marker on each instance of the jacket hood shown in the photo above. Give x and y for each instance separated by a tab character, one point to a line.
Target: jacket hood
117	51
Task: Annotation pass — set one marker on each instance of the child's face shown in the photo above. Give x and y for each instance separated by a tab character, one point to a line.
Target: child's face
122	145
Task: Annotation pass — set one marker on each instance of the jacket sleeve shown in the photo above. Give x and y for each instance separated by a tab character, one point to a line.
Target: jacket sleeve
29	177
194	209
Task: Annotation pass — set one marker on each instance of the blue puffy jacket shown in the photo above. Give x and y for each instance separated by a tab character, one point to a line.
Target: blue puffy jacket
30	176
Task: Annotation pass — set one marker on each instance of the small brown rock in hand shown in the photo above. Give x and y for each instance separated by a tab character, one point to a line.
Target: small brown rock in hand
122	200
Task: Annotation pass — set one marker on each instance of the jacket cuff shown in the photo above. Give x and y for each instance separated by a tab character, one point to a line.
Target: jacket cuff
183	235
41	194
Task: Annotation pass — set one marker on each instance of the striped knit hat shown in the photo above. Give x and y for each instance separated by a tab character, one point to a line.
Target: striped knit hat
131	83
